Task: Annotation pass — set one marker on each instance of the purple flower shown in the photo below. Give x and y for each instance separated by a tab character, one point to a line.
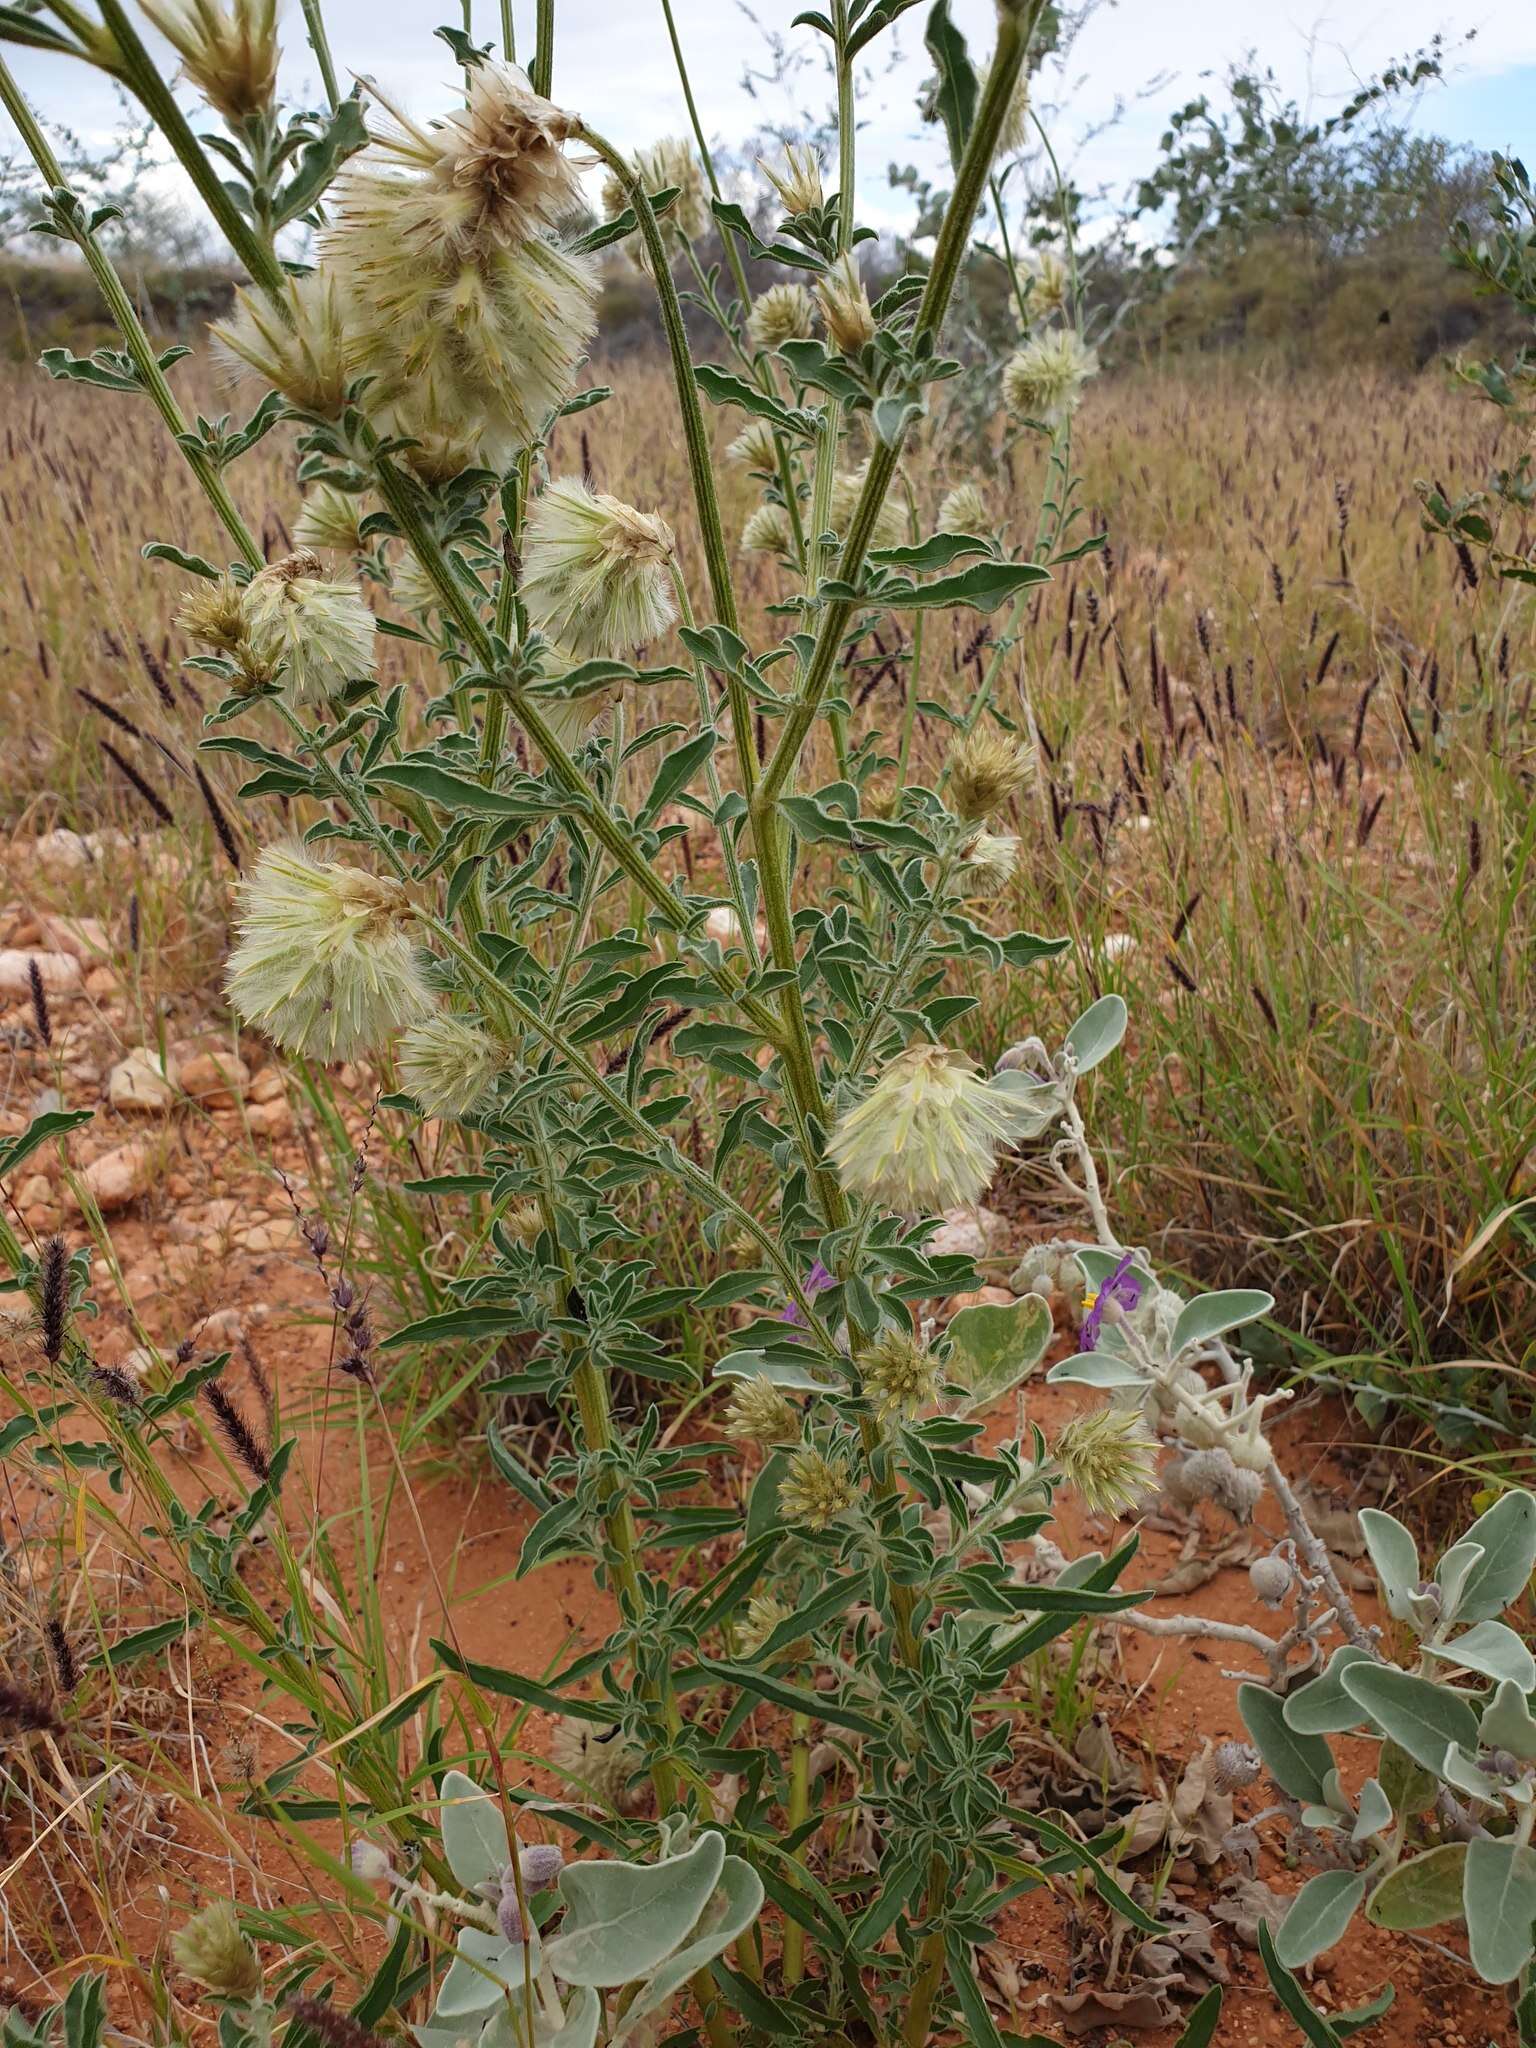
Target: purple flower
1121	1287
817	1281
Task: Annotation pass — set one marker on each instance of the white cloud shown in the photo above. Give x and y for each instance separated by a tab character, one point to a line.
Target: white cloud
613	62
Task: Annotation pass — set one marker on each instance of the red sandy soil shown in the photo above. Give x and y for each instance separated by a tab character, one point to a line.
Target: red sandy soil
186	1259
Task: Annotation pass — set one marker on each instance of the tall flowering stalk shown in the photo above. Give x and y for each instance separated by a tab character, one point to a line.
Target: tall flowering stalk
460	938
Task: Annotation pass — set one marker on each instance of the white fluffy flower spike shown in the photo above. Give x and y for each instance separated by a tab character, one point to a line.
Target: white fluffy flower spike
927	1135
595	571
325	962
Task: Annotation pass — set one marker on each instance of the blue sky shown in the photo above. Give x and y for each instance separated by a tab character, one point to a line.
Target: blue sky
1142	57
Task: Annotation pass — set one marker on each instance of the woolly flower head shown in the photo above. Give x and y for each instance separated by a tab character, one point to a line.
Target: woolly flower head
1108	1457
768	531
325	963
448	1063
229	52
765	1613
847	489
468	319
1015	129
900	1374
318	634
845	305
989	863
927	1134
785	312
595	571
755	447
214	1953
304	356
667	166
600	1760
1045	380
1046	282
797	180
758	1413
494	171
985	769
964	510
816	1489
330	519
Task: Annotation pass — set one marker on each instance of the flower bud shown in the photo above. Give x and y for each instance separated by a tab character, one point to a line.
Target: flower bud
784	312
541	1863
900	1375
986	768
816	1490
797	181
228	51
1271	1579
768	531
758	1413
1234	1765
1045	379
1108	1459
845	306
214	1953
449	1064
315	636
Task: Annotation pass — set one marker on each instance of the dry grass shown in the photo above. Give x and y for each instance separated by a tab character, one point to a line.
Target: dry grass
1285	808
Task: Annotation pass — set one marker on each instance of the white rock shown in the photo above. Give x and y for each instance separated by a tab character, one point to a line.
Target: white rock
120	1176
967	1233
140	1084
60	972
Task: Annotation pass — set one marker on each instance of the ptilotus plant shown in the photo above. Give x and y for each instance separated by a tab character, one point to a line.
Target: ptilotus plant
483	893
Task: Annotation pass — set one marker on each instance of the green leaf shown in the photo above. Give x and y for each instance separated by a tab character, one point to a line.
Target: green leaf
993	1347
1421	1717
676	772
1424	1892
53	1123
1507	1723
1319	1916
486	1967
1411	1789
936	552
820	1706
1507	1533
1299	1764
190	565
723	388
1395	1556
1209	1315
456	1325
1200	2027
1291	1995
622	1920
1499	1901
455	793
344	134
474	1831
982	588
1098	1032
145	1642
959	88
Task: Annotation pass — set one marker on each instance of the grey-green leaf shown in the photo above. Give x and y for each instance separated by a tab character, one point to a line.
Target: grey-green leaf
624	1919
1499	1901
1507	1723
1424	1892
474	1831
1492	1650
1323	1707
1507	1533
1419	1716
1395	1556
1098	1031
993	1347
1299	1764
736	1903
1375	1812
1319	1915
1208	1315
